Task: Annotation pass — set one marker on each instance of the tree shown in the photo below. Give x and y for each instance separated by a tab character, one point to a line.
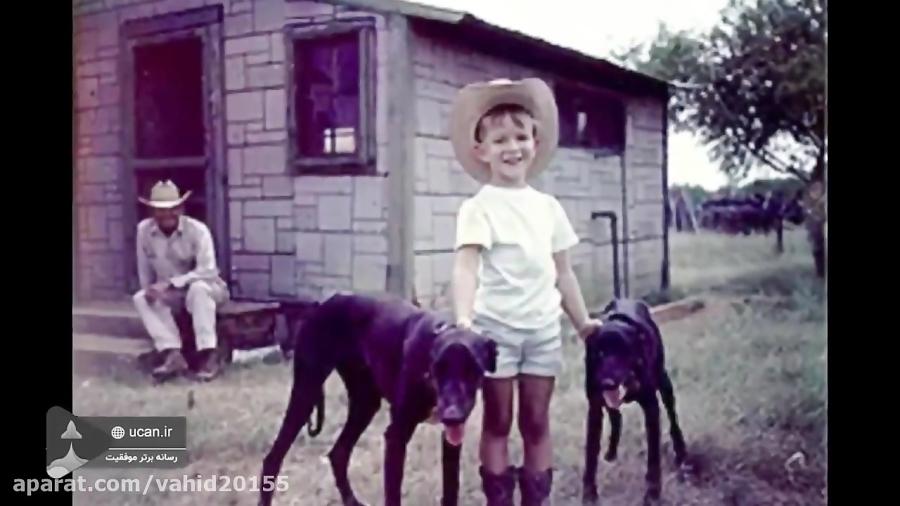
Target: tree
696	193
787	187
752	88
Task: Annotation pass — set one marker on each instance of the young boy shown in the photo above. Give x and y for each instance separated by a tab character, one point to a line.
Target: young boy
512	277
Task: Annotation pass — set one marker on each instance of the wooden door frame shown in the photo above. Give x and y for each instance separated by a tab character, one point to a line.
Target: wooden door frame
205	22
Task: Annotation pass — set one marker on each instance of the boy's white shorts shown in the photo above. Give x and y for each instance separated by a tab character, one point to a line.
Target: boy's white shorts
537	352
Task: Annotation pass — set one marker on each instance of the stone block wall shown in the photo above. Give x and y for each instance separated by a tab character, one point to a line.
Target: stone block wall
310	235
293	235
582	182
288	234
98	165
644	152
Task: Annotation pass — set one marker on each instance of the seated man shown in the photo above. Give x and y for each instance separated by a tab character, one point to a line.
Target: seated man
177	268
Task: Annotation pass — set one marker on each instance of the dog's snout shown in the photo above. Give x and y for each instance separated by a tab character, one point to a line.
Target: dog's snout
452	414
608	384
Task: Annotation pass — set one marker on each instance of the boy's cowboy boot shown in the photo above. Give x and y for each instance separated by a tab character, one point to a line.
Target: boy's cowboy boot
173	365
498	488
535	487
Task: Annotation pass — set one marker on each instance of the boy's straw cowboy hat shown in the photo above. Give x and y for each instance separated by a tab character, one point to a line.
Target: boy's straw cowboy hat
165	195
475	99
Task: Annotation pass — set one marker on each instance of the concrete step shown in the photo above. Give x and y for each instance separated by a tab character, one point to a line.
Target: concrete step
104	355
118	319
99	343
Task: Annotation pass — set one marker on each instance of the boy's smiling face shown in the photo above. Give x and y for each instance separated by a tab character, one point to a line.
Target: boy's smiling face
507	144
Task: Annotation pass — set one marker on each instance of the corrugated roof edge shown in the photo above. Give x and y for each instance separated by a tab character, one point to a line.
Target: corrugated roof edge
465	19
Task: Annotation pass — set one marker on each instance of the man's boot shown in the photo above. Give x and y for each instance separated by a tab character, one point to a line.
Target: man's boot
173	365
535	487
498	488
210	365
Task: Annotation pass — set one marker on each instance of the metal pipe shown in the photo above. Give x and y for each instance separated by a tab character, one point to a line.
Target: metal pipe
614	236
666	280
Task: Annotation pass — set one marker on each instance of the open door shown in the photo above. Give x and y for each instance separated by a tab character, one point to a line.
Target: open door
173	119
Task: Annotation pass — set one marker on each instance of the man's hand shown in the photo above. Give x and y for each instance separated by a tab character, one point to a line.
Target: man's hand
590	325
156	291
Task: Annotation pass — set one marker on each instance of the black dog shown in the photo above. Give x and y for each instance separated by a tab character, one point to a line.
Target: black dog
384	349
625	362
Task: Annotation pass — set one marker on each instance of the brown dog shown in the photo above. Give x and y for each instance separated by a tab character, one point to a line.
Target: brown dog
625	362
383	349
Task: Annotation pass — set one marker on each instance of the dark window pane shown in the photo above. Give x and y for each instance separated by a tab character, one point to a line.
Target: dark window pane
168	99
327	94
606	124
592	121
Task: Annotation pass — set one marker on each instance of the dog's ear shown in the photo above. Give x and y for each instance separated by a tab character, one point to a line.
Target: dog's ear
648	328
435	351
440	326
609	307
589	368
486	352
645	320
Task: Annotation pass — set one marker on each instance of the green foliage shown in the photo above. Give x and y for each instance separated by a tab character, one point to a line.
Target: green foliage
753	87
787	186
696	193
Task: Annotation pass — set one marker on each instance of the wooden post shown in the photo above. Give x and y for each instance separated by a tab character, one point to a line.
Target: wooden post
690	216
401	133
665	274
779	239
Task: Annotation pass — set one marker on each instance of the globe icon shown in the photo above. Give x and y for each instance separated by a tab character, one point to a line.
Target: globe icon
117	432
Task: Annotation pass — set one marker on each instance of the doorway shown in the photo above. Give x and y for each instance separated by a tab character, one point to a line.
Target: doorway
173	119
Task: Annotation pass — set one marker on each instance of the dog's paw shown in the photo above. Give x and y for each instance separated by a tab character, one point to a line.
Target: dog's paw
652	494
610	455
687	471
589	496
353	502
651	500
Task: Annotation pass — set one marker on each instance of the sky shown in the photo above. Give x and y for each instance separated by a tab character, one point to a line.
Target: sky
596	27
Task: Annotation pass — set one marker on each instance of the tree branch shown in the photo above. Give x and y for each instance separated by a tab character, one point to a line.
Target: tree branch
777	165
686	86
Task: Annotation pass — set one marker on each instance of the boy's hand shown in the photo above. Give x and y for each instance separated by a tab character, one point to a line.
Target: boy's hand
464	323
589	326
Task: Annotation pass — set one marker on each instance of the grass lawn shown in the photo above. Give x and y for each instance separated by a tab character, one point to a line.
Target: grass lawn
749	375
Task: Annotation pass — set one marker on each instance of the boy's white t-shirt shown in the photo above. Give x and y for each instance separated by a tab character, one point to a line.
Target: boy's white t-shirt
519	229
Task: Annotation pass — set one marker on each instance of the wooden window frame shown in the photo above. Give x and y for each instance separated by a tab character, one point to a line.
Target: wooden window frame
363	161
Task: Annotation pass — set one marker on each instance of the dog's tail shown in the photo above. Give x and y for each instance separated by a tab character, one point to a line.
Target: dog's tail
320	417
298	314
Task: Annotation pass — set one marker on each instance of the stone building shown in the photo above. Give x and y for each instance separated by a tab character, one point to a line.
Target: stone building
313	135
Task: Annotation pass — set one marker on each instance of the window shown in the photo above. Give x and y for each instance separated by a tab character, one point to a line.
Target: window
168	118
168	99
591	120
331	97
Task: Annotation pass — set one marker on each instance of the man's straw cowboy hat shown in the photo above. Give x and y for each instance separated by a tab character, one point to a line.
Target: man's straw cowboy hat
165	195
474	100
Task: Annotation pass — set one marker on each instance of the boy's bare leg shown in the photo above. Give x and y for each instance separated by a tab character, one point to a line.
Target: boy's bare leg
497	395
534	421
